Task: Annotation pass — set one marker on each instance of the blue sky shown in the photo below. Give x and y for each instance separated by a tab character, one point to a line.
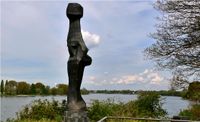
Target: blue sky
33	43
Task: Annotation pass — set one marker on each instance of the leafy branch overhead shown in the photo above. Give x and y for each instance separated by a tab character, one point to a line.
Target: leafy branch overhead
177	38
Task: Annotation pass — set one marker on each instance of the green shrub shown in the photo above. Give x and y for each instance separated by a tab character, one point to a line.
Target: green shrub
100	109
193	113
127	110
32	120
45	109
149	105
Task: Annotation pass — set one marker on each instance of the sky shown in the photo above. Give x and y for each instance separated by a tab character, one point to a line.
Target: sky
34	47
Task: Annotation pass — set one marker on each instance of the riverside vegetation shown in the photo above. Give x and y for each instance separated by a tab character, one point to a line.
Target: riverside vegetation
45	110
147	105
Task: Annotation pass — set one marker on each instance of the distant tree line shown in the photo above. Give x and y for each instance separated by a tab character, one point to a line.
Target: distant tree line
164	92
192	92
113	91
11	87
161	92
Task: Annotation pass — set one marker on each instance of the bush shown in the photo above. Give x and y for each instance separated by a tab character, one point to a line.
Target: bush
147	105
32	120
39	110
100	109
193	113
127	110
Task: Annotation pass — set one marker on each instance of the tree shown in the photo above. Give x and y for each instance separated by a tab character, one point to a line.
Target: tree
84	91
177	37
46	90
40	88
2	86
53	91
10	87
62	89
32	89
193	91
23	88
179	82
6	87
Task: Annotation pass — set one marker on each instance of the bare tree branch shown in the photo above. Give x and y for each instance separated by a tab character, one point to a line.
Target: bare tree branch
177	38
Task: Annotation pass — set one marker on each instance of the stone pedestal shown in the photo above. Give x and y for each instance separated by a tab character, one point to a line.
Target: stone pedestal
76	116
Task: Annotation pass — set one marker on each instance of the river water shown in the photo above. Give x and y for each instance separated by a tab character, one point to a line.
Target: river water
11	105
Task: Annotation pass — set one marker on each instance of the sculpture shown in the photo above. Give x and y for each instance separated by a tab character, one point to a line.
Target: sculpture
78	58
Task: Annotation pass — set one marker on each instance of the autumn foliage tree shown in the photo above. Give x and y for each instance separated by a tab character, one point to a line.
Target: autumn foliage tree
23	88
177	38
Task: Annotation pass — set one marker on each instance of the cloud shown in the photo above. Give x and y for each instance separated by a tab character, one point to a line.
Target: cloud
92	78
130	79
146	77
91	40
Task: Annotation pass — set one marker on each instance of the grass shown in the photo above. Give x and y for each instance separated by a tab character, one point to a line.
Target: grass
32	120
124	120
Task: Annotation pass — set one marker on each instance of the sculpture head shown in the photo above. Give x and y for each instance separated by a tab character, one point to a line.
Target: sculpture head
74	11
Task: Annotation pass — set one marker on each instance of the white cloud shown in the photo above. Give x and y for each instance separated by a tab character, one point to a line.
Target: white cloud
91	40
130	79
92	78
156	79
146	77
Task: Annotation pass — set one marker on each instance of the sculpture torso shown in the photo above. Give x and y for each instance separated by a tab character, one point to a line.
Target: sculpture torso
78	58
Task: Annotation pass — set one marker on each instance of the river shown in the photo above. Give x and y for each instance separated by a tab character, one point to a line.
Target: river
11	105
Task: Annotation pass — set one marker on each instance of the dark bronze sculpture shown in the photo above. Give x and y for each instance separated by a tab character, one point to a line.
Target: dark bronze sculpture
78	58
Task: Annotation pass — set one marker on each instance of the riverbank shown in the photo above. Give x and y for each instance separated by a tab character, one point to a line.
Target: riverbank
145	105
11	105
54	110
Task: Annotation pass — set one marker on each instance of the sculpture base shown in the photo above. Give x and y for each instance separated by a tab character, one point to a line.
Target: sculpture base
76	116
